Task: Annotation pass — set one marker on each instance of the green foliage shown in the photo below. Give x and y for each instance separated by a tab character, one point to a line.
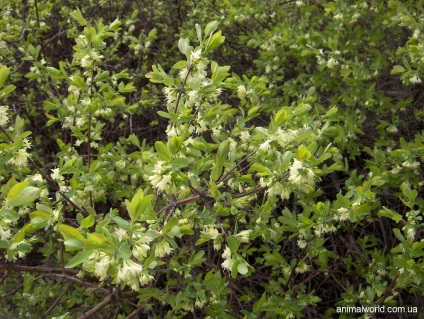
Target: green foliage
266	164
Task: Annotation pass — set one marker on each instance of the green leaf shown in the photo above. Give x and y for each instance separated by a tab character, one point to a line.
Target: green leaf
73	238
4	74
77	15
233	243
180	65
242	268
197	259
168	80
397	69
199	32
8	89
80	258
71	232
302	109
147	293
283	115
183	45
221	156
95	240
10	215
163	151
142	207
157	75
125	225
169	225
211	27
138	205
87	222
398	234
219	73
40	215
21	194
16	189
124	251
164	114
303	153
215	41
178	163
385	212
331	112
174	145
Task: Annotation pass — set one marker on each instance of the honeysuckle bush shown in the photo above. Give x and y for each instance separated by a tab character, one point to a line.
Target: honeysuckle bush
283	190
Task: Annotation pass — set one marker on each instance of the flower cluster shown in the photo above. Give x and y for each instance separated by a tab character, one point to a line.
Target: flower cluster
159	179
300	175
3	115
228	262
21	158
132	274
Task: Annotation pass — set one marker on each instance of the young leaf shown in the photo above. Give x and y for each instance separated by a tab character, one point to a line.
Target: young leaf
169	225
211	27
163	151
21	194
4	74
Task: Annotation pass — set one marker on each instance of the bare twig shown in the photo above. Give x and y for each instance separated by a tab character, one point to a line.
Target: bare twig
57	300
107	300
134	313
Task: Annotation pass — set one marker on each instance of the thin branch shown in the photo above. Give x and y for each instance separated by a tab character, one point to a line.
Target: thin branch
57	35
80	282
107	300
388	290
208	206
193	198
39	26
181	89
178	203
39	270
134	313
57	300
223	178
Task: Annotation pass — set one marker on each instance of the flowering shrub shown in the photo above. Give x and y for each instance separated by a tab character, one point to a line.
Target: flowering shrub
147	177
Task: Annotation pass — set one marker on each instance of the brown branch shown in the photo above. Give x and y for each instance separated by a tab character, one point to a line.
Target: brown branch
38	270
57	300
107	300
53	272
388	290
81	282
179	203
134	313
